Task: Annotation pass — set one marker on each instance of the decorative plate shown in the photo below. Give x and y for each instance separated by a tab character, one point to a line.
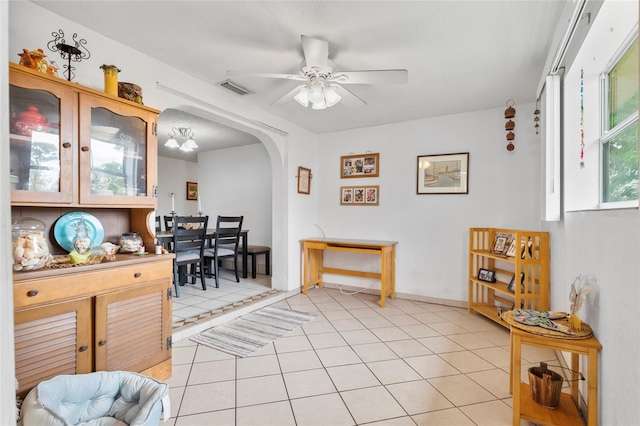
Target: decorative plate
65	229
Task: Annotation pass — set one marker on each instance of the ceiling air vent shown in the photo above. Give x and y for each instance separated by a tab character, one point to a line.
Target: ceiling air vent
229	85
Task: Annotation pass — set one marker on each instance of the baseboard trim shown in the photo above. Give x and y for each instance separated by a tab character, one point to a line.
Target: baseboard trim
406	296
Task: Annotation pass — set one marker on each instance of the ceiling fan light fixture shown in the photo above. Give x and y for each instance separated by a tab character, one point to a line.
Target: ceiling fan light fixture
331	96
303	97
172	143
316	95
319	105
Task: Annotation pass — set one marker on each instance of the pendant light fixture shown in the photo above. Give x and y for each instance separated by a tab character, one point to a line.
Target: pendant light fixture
187	134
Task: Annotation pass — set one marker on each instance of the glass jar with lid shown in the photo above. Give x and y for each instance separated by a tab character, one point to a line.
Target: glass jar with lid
130	242
30	250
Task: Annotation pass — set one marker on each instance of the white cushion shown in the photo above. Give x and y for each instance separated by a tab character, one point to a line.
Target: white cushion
221	252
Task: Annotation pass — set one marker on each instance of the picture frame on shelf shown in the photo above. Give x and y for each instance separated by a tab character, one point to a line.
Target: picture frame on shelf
486	275
304	180
360	195
360	165
192	191
501	244
443	174
511	252
511	287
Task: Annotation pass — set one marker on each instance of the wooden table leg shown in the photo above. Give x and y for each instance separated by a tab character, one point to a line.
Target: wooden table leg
592	386
305	268
516	347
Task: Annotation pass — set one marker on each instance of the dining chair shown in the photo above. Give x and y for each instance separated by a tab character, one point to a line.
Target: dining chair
225	246
188	245
158	224
168	223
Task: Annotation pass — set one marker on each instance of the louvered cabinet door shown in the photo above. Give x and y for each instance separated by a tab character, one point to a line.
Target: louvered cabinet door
51	340
133	328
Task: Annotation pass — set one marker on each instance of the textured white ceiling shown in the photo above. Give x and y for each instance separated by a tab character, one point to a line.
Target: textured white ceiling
460	55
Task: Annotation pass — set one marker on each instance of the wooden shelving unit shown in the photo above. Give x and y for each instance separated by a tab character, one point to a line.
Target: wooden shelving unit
531	263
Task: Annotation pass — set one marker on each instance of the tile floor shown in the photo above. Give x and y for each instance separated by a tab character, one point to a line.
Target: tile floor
193	301
411	363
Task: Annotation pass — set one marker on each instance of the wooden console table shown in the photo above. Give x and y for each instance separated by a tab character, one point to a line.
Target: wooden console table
566	413
313	249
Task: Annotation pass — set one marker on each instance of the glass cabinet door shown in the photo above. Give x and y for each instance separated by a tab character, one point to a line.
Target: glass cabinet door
41	136
114	153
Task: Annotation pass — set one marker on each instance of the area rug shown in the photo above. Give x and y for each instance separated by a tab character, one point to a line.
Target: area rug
245	335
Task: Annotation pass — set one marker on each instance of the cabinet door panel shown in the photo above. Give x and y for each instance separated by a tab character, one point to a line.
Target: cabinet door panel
50	340
117	153
132	328
41	140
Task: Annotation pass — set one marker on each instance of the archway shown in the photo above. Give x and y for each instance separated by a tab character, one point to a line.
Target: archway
274	145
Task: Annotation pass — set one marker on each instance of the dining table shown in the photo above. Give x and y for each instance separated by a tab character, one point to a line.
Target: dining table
166	237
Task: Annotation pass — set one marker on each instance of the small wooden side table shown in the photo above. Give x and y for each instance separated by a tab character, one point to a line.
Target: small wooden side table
566	413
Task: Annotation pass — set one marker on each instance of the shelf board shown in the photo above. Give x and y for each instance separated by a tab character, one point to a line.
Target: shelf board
485	253
498	286
489	311
564	414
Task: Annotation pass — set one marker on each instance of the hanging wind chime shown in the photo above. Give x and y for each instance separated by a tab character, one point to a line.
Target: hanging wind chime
581	118
510	125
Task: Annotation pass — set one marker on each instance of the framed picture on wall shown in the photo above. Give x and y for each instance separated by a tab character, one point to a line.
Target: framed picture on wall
360	195
360	165
192	191
443	174
346	195
304	180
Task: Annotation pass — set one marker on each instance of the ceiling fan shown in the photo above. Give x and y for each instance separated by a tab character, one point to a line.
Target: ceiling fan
322	85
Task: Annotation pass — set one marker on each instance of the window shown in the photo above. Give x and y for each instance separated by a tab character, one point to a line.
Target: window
620	129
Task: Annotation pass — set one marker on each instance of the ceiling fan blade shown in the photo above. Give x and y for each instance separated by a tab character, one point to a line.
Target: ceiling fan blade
371	77
349	99
288	97
316	52
267	75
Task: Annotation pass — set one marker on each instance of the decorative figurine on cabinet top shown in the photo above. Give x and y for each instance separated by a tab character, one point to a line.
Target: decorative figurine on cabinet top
37	60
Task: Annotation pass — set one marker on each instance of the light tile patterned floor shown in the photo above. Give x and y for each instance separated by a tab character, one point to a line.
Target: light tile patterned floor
411	363
194	301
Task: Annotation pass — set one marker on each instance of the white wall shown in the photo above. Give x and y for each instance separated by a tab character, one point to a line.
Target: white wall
605	243
173	175
237	182
431	230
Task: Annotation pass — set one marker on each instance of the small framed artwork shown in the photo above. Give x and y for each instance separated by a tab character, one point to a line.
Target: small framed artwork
502	244
486	275
192	191
360	165
346	195
304	180
443	174
512	283
360	195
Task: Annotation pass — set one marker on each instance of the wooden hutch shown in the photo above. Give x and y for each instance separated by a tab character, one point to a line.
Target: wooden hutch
95	153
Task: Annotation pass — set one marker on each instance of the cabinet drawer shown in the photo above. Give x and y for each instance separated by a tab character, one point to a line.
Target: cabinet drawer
91	283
